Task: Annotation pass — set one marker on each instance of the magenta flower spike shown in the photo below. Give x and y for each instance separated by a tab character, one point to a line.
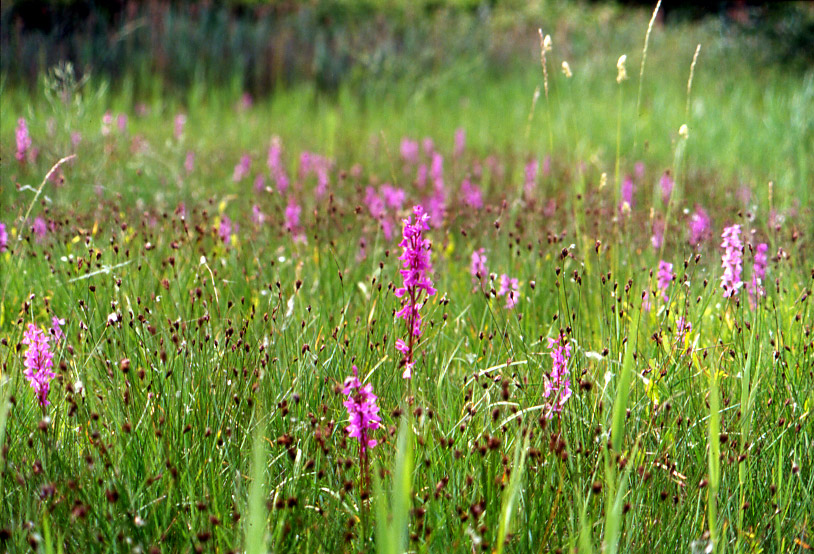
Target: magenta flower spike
3	238
23	140
665	276
39	362
418	286
558	384
478	267
508	288
732	260
755	286
363	412
699	226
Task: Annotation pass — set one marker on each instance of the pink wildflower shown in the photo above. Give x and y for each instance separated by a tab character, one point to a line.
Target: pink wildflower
409	151
394	197
478	267
180	124
665	276
731	260
683	327
242	168
508	288
275	165
258	217
558	383
363	412
226	229
3	238
699	226
531	177
39	362
260	182
23	140
471	195
40	228
416	266
107	122
755	286
56	328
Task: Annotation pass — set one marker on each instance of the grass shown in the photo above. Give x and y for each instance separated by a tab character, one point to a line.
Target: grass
198	401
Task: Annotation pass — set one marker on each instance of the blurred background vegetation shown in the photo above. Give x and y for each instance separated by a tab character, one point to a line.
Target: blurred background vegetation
259	45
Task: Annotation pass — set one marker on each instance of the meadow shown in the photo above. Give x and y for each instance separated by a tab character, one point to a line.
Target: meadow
564	307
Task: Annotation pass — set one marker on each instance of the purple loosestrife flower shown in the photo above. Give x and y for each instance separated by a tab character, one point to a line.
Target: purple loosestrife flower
731	260
121	122
376	207
363	412
530	177
755	286
40	228
558	382
394	197
508	288
428	145
180	123
23	140
665	277
699	226
258	217
39	362
638	169
409	151
3	238
471	195
107	121
242	168
292	220
260	182
56	329
416	266
226	229
683	327
478	267
275	165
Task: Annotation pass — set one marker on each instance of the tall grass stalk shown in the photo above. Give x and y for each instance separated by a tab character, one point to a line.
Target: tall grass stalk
714	458
641	73
256	522
511	492
392	517
746	406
